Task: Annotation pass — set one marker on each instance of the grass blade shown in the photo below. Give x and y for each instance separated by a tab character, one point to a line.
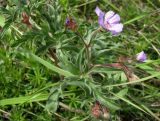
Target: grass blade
129	102
136	81
134	19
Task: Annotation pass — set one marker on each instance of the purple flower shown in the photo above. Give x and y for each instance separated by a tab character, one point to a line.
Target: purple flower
70	23
141	56
67	21
109	21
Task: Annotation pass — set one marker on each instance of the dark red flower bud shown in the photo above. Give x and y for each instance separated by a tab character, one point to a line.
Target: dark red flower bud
70	23
96	111
99	111
25	19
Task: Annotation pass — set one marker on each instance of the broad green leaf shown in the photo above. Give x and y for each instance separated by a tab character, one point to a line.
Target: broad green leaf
121	93
23	99
52	102
105	70
2	20
107	102
51	66
80	60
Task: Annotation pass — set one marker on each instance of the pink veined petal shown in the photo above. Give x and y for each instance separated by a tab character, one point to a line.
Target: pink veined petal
98	11
114	19
116	28
109	15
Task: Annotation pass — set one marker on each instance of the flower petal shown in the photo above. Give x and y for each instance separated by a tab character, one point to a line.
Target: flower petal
114	19
109	15
67	21
141	56
98	11
101	19
116	28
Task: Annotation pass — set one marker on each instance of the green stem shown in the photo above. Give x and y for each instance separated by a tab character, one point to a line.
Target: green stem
88	52
86	47
88	56
79	35
94	34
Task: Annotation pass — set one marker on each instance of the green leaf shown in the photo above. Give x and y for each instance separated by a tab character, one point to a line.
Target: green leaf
23	99
2	20
51	66
52	102
107	70
148	69
44	48
108	103
121	93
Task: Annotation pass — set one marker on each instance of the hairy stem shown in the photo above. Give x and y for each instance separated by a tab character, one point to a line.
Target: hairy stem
53	56
70	108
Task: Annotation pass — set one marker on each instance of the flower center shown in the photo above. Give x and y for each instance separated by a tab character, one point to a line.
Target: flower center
107	25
